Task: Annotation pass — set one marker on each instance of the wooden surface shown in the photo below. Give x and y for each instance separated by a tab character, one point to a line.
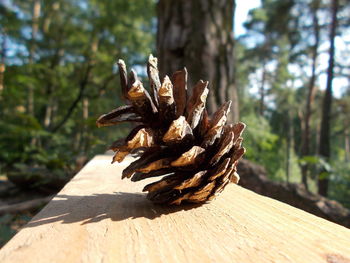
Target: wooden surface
98	217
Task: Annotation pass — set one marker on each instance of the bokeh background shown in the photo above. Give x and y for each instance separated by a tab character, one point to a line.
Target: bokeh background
285	64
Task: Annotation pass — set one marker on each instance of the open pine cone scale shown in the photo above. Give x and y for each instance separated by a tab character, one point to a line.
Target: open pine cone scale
196	155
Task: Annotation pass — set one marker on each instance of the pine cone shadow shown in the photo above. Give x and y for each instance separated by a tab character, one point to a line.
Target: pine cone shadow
94	208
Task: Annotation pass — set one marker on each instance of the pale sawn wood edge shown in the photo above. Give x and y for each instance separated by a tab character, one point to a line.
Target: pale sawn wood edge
98	217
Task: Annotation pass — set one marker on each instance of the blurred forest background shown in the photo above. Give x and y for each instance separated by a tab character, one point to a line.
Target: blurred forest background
289	70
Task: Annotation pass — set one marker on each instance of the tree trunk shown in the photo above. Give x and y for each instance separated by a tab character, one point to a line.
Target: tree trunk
2	61
198	34
85	132
305	148
48	113
289	146
324	143
83	82
347	144
262	91
55	61
35	27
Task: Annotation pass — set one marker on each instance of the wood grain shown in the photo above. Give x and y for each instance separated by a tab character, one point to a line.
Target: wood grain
97	217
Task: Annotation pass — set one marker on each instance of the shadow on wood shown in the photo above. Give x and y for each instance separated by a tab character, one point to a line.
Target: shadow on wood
90	222
94	208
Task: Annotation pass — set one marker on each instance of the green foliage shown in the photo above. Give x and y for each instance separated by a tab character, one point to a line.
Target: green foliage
70	61
260	142
268	149
340	183
322	168
280	35
6	232
9	225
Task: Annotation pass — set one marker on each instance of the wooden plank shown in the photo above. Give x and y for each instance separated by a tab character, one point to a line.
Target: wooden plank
98	217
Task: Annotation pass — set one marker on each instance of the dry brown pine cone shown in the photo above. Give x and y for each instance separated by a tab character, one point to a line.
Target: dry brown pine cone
175	137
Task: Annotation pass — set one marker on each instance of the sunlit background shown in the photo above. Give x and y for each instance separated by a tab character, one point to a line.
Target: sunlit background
58	74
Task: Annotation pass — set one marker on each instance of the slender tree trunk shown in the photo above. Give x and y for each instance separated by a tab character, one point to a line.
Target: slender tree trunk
85	133
35	27
48	113
50	88
77	140
262	91
347	129
55	6
347	146
83	82
54	112
324	144
305	148
290	146
55	61
198	34
2	61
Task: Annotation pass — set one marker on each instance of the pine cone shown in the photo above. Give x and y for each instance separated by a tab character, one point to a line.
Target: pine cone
175	137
